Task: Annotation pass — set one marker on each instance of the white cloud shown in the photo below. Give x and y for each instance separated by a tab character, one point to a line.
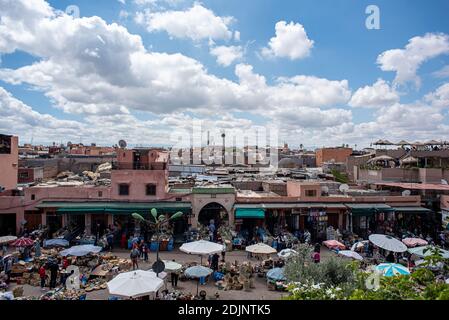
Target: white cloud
378	95
406	62
227	55
291	41
442	73
440	97
196	23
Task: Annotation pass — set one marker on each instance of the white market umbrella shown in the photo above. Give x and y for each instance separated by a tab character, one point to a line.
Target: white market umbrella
260	248
172	266
387	242
287	253
135	284
426	251
81	250
7	239
202	247
359	245
350	254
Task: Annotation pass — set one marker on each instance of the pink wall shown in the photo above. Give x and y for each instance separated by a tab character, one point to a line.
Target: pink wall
137	180
9	166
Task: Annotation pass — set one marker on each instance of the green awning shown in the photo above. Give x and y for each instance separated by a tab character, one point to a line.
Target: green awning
368	209
117	208
412	209
250	214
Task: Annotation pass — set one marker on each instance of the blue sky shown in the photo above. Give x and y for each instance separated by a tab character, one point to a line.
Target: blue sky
341	67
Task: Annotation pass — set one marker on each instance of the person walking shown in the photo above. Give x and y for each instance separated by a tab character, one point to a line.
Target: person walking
316	256
174	279
110	240
145	252
42	276
37	248
123	241
214	264
53	274
134	256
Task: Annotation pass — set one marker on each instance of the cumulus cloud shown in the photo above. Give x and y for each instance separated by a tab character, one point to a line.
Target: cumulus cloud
406	62
440	97
196	23
226	55
291	41
378	95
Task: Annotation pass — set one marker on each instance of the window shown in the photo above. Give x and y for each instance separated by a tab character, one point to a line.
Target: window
213	195
178	199
100	194
310	193
123	189
24	175
33	197
151	189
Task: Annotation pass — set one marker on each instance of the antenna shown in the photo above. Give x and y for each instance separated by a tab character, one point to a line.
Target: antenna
122	144
406	193
343	188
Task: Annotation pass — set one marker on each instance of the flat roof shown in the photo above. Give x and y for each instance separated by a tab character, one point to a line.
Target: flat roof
415	186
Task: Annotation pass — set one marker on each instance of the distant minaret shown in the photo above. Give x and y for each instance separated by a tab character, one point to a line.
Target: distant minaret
223	135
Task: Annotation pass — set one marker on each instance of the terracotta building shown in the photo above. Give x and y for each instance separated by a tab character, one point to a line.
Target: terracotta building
332	155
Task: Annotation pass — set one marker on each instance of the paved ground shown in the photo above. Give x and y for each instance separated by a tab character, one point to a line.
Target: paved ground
260	292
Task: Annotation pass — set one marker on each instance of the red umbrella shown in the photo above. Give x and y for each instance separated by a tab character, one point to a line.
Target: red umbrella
22	242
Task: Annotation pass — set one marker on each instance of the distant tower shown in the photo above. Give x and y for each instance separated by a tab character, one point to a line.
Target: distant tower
223	136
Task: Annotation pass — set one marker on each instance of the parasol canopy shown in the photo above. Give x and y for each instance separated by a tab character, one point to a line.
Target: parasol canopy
403	143
56	243
287	253
135	284
81	250
334	244
392	269
171	266
409	160
359	245
260	248
426	251
201	247
7	239
413	242
380	158
276	274
387	242
22	242
198	272
350	254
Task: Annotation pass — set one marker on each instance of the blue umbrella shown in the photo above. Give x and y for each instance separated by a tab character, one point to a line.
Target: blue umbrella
56	243
392	269
276	274
197	272
81	250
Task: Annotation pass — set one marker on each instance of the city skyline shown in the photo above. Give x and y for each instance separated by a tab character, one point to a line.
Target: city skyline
141	70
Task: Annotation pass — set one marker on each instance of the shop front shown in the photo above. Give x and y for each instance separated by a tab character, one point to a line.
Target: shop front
97	217
250	222
373	217
417	220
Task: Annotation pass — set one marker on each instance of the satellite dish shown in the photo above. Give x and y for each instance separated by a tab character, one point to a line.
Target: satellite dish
406	193
343	188
444	182
158	266
122	144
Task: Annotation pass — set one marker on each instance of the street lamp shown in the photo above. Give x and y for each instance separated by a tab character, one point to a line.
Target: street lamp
156	225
